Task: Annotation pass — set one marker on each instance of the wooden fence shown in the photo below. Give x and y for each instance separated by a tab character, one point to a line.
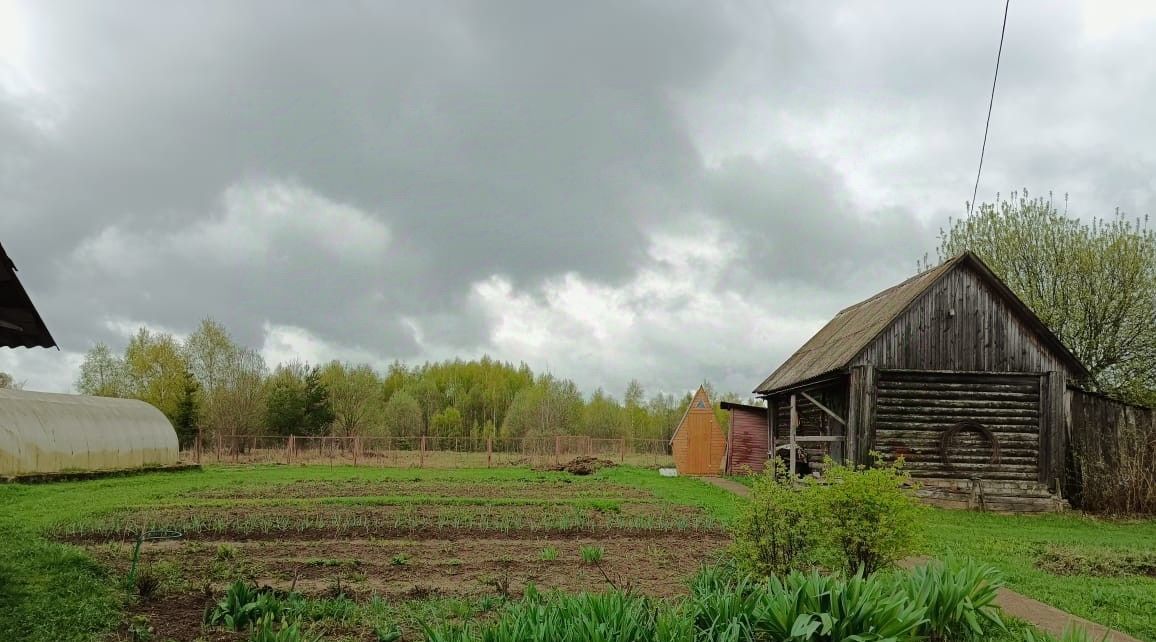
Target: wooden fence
1112	455
424	452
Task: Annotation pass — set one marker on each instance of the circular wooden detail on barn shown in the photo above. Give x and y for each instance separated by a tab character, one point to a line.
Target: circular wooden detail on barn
947	440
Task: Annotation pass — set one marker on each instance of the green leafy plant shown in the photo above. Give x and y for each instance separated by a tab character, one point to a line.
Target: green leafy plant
401	559
548	554
269	629
779	529
957	596
1070	634
242	605
871	514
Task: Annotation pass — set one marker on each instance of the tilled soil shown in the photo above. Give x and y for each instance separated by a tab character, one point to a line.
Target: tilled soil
404	569
551	489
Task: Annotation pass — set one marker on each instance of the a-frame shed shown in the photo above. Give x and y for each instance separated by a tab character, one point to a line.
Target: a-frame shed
699	445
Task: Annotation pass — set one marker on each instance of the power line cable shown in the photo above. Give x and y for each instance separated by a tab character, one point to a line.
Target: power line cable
990	104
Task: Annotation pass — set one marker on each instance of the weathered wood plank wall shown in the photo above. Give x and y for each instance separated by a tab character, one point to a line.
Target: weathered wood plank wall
1113	455
961	324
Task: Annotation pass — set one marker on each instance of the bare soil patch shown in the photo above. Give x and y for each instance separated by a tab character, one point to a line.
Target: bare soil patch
402	569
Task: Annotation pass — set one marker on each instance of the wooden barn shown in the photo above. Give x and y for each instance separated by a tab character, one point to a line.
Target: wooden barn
949	370
748	441
698	444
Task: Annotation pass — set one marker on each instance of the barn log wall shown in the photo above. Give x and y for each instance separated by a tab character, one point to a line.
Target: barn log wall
914	408
748	444
961	324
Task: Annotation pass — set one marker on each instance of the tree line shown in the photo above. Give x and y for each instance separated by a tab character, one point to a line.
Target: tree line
210	383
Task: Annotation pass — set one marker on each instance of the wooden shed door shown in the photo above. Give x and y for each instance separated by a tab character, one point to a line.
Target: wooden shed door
915	408
698	457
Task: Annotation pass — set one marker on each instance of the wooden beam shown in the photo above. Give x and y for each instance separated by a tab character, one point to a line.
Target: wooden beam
794	427
825	408
821	439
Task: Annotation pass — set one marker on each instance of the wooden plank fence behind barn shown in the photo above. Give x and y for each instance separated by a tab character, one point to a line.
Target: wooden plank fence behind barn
1112	463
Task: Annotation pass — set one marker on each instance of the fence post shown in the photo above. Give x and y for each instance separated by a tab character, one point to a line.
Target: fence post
557	449
489	452
217	446
421	461
356	449
289	449
197	446
622	451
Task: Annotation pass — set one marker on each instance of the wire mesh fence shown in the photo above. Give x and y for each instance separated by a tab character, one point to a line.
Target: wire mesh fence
425	452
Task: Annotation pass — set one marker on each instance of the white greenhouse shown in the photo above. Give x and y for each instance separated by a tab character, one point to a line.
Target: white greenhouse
42	432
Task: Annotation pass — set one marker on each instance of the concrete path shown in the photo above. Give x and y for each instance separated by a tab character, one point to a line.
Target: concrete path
1044	617
726	484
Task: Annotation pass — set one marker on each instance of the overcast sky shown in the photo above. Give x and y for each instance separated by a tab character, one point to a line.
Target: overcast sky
667	191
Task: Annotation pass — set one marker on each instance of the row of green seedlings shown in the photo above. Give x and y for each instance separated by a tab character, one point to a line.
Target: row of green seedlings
937	602
564	519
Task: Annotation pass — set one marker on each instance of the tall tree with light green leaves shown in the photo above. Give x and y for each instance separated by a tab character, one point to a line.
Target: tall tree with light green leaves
1092	281
102	373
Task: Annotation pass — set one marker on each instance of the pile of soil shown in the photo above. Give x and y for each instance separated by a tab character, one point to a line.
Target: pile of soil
582	465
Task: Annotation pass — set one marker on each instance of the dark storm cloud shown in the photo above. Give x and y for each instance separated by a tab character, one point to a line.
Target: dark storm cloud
505	138
356	169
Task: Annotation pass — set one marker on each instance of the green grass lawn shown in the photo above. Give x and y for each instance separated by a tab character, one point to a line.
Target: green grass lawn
1015	544
53	592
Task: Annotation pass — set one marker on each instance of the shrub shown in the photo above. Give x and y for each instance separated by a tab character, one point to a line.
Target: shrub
870	514
779	529
956	596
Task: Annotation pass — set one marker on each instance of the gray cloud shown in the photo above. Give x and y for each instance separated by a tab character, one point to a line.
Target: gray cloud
357	170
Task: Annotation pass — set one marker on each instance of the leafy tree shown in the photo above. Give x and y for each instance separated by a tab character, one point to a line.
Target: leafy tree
285	400
8	383
1093	283
448	423
185	420
317	413
638	423
403	416
354	393
551	406
102	373
602	416
155	370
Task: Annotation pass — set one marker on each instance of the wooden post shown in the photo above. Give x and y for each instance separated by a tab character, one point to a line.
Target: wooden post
217	446
197	447
236	448
421	461
622	451
356	448
794	427
289	449
557	449
489	452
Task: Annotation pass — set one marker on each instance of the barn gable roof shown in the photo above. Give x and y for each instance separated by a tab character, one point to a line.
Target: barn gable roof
20	323
837	344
